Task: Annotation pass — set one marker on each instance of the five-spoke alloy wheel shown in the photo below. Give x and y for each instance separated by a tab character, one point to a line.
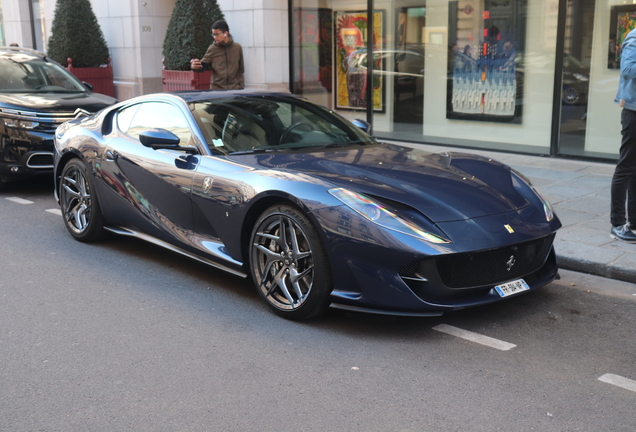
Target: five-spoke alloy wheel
80	208
289	264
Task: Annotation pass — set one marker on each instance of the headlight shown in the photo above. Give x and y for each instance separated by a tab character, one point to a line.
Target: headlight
22	124
581	77
547	207
379	214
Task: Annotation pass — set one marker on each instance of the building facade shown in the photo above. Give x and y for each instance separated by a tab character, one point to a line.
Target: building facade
529	76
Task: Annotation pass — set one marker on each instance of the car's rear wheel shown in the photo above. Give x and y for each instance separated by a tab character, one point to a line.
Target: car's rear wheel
80	208
289	263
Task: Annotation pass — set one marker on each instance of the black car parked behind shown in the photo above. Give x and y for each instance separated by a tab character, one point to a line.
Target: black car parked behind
36	96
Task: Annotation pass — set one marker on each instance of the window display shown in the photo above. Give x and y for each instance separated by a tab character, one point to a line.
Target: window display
485	76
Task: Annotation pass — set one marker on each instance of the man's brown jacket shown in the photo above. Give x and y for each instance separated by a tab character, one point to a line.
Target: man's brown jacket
226	62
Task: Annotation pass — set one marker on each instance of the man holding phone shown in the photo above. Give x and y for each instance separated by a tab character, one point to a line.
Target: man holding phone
225	58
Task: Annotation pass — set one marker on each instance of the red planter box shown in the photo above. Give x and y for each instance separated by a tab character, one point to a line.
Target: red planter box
185	80
101	78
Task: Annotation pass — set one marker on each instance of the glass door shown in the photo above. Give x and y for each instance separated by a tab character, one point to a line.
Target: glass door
577	58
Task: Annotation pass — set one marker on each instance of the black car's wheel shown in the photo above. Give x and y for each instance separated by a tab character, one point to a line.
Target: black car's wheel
289	264
80	208
571	96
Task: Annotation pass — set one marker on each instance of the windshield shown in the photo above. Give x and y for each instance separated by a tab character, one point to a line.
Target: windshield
270	123
21	73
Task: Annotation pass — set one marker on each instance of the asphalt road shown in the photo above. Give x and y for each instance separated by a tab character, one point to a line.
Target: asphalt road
123	336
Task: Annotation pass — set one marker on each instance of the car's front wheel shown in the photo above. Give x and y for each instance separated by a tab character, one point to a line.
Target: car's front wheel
289	263
80	208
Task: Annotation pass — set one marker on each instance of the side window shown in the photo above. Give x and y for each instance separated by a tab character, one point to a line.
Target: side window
158	115
125	116
285	114
230	128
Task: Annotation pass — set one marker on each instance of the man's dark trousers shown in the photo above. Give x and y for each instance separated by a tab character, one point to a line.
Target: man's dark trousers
624	179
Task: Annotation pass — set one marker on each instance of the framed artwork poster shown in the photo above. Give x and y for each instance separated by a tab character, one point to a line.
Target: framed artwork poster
622	21
350	39
485	61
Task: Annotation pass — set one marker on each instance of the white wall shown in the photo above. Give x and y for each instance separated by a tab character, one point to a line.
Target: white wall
134	31
261	27
603	116
17	27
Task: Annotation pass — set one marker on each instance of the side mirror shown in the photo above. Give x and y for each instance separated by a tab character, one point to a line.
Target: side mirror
364	125
159	139
88	86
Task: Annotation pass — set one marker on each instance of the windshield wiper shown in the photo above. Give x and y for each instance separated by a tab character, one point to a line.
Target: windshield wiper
252	151
335	145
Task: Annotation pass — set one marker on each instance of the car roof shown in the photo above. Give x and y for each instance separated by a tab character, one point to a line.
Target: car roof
23	53
199	95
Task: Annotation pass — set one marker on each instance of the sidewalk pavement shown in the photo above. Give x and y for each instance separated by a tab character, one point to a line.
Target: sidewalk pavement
580	194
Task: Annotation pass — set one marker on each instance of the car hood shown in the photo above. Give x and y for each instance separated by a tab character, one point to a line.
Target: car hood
443	186
56	102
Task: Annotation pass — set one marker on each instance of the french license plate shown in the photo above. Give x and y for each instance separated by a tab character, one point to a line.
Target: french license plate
510	288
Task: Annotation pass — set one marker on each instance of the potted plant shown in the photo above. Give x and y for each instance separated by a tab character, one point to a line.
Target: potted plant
188	36
77	42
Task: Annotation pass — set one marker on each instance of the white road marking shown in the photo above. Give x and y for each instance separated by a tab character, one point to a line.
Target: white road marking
19	200
54	211
474	337
619	381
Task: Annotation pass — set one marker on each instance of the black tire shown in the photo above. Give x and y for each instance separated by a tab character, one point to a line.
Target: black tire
570	95
289	266
78	201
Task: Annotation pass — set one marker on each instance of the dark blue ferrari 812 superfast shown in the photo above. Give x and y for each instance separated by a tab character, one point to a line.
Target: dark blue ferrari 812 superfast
317	212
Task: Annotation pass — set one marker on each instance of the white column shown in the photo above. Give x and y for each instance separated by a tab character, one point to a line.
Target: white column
134	31
17	23
261	27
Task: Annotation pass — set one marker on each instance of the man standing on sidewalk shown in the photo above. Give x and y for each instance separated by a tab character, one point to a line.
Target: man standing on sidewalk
225	58
624	179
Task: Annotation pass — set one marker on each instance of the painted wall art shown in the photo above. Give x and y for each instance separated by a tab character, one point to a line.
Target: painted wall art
622	21
351	32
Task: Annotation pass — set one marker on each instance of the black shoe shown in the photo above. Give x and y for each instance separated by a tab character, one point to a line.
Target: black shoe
622	232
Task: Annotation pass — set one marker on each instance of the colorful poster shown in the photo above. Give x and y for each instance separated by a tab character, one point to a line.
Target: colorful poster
622	21
351	60
485	68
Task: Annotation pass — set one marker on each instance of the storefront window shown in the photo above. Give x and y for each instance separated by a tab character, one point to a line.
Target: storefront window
471	73
602	116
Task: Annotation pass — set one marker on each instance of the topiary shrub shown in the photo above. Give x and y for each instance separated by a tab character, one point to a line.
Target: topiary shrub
189	32
75	33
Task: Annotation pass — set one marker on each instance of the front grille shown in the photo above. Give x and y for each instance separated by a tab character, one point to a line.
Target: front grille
40	160
52	118
493	266
483	268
